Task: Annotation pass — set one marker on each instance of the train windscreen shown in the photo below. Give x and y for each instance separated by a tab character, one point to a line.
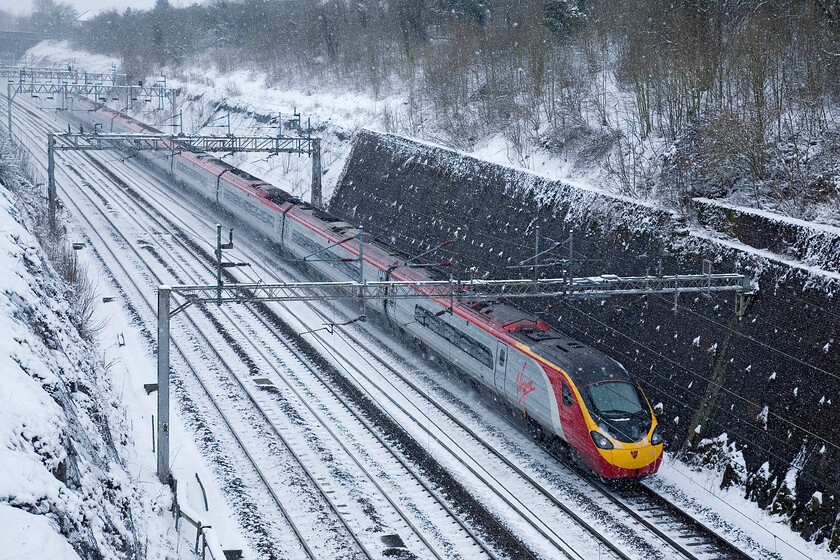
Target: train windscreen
620	409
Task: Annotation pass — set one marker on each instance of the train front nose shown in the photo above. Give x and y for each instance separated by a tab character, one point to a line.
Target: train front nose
630	460
637	460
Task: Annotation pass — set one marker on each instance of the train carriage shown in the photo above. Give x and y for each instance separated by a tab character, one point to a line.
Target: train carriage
571	390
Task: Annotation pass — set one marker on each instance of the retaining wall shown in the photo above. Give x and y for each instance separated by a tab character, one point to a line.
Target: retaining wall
769	380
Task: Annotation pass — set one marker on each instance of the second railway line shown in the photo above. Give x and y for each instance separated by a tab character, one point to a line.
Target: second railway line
637	542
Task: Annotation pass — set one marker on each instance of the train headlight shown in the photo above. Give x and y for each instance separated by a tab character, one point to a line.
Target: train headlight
600	440
656	436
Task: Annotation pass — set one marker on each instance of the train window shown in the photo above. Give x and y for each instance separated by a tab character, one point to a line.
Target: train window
615	398
568	400
501	357
462	341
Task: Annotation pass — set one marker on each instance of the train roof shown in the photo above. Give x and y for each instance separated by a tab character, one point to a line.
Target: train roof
509	319
584	364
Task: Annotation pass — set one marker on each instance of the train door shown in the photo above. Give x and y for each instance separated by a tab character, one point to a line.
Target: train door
500	366
570	414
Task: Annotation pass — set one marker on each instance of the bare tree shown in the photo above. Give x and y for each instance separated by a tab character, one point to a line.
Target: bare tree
53	18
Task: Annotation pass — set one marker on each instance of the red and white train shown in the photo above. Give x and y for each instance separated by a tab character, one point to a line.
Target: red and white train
572	390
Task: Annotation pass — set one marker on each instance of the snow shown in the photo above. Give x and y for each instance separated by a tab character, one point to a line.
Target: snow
62	54
763	415
835	231
767	255
65	456
699	492
25	535
336	117
30	479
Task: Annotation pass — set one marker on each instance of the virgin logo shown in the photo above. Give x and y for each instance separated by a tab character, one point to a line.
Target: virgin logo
523	387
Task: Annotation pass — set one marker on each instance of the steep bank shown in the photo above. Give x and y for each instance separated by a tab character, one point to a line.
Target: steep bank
68	487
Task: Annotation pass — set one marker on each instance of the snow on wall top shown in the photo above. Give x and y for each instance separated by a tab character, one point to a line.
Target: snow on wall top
578	201
807	246
784	245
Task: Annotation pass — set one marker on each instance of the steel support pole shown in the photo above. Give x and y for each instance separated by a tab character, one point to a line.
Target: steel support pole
317	198
9	106
163	384
51	190
362	268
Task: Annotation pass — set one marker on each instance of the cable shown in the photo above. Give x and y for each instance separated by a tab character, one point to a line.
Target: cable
698	375
726	427
762	344
710	420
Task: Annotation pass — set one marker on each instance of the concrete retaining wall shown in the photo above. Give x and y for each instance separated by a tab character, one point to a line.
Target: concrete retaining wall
769	380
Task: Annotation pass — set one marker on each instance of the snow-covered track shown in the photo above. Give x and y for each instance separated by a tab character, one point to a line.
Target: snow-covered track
685	533
259	399
238	450
233	334
505	494
542	524
686	549
558	543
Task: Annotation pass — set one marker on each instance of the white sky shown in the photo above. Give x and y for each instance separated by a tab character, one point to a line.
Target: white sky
93	6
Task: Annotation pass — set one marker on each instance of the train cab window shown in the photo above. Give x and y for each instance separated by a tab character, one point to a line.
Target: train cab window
501	357
568	400
620	408
615	398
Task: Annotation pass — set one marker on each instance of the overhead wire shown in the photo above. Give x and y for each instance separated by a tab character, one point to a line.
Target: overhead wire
696	374
787	444
729	391
763	344
710	419
725	427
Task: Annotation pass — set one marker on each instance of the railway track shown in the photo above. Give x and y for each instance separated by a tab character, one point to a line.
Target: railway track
323	486
557	545
682	535
542	526
110	205
474	453
266	366
266	463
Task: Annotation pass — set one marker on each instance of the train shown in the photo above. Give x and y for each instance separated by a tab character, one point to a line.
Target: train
571	390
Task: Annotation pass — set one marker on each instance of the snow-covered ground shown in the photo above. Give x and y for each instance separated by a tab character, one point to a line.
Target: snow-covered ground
335	118
77	464
698	491
70	472
207	96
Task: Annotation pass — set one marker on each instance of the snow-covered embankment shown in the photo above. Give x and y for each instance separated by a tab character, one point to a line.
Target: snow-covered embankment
67	455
